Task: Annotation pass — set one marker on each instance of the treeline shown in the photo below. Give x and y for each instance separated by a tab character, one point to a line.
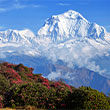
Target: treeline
20	88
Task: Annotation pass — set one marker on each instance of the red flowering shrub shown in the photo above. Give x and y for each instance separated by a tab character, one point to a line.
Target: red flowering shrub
44	81
28	94
63	105
46	84
31	69
13	76
30	75
1	104
20	87
56	84
17	82
69	87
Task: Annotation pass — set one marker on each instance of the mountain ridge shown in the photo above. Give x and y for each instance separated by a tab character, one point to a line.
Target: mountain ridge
15	36
67	37
70	24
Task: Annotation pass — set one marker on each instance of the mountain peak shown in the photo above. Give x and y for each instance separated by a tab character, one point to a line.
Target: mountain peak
16	36
70	14
69	25
27	33
74	14
64	26
72	11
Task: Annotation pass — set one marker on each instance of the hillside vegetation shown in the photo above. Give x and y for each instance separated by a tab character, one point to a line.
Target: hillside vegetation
21	89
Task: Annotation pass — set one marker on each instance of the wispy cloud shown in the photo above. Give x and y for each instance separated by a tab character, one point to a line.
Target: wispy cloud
15	4
63	4
19	6
2	27
36	6
2	9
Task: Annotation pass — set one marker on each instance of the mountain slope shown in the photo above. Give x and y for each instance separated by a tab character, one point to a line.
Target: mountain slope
14	42
23	90
79	77
71	24
76	41
15	36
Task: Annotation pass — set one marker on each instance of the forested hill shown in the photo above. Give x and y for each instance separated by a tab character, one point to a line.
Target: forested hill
20	88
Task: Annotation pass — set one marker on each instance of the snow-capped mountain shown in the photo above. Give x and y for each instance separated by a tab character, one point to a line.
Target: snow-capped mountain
14	42
18	37
62	37
76	41
68	38
71	24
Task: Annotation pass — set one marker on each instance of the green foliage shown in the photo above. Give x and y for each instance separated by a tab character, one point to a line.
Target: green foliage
34	94
95	99
75	100
19	87
4	84
27	94
87	98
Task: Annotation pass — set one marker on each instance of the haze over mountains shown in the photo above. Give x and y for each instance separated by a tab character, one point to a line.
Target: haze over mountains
65	44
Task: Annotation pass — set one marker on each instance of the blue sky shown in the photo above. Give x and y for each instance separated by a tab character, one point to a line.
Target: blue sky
21	14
